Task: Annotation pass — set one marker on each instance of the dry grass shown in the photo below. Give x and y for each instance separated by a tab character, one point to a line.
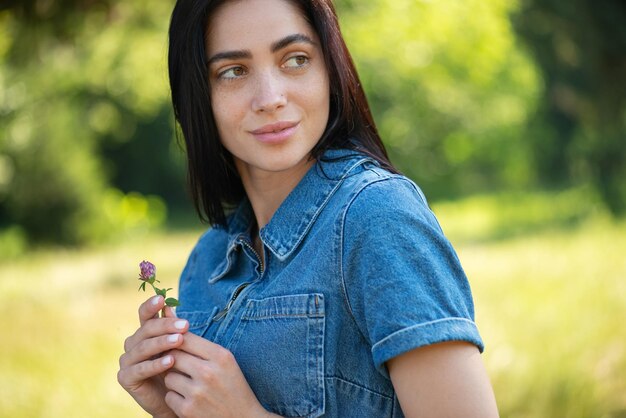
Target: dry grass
550	305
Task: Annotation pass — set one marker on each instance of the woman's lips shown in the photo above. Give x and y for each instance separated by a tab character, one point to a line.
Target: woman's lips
275	132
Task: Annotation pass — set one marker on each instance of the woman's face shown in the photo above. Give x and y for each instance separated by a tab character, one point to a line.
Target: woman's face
269	85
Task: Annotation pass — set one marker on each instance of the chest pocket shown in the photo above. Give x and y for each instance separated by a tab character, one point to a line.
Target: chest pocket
200	322
279	346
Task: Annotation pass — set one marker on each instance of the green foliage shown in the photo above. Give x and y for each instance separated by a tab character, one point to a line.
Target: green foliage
87	149
449	88
13	242
80	86
508	214
579	130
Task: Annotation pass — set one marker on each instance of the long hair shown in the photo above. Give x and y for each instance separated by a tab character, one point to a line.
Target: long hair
213	180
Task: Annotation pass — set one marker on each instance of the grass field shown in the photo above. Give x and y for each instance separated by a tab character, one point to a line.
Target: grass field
549	281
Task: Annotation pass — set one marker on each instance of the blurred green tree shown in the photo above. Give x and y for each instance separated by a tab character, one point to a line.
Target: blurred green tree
449	88
85	106
579	131
86	127
86	149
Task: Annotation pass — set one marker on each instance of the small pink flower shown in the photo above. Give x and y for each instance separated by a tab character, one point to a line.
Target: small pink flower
147	271
147	274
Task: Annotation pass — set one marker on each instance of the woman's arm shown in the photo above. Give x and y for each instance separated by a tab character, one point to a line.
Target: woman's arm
443	380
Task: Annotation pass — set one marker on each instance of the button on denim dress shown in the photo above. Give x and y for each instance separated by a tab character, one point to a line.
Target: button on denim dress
356	272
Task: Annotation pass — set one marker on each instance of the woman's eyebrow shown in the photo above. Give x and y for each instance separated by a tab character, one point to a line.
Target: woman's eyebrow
229	55
276	46
290	39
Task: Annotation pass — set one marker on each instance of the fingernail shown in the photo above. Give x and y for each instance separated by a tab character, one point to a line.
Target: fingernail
155	300
172	338
180	324
166	361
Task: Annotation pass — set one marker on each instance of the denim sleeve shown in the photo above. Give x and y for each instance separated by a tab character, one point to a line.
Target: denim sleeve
403	281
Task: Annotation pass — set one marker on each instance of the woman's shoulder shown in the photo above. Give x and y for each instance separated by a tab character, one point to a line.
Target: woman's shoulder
360	171
375	187
377	194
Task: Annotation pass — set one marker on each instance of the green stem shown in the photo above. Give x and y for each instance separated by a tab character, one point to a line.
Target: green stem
156	290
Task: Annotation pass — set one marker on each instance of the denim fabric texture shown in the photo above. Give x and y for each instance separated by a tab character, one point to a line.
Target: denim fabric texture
357	271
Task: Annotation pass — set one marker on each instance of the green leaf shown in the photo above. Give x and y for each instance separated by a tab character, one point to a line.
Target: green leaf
171	302
142	286
161	292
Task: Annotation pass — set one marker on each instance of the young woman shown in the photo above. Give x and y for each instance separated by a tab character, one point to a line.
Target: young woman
325	286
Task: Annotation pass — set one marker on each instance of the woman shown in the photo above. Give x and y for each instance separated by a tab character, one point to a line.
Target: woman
328	289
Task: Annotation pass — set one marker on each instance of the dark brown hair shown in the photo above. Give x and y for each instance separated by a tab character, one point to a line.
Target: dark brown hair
213	180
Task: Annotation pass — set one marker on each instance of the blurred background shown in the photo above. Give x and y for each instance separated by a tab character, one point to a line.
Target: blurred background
511	115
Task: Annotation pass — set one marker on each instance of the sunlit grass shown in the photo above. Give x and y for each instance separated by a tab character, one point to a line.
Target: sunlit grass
551	307
550	300
550	303
65	316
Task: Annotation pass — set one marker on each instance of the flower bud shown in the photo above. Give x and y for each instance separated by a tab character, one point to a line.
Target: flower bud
147	271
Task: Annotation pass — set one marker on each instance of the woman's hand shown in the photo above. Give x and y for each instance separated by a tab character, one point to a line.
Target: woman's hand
206	381
146	356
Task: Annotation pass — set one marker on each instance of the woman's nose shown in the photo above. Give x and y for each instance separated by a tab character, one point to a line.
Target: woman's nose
269	93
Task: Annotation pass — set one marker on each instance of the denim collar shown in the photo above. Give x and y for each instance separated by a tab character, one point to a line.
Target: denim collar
298	212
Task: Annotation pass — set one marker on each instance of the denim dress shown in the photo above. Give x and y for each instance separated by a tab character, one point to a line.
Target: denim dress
356	272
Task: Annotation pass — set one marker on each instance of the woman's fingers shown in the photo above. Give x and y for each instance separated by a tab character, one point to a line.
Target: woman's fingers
189	364
210	369
177	403
149	348
134	375
203	348
147	355
150	309
155	328
214	383
176	381
169	312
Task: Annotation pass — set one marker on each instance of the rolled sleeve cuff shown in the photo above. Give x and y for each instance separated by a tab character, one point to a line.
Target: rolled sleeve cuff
406	339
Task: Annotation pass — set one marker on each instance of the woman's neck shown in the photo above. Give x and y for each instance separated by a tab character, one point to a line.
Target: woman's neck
267	190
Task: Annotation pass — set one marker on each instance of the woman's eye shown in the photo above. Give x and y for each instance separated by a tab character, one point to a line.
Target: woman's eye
232	73
296	61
